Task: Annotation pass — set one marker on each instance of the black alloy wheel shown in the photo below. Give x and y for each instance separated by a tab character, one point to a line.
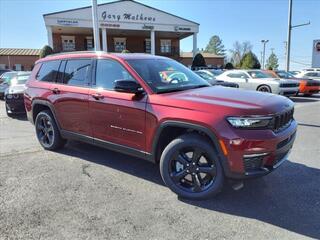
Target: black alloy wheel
191	168
47	131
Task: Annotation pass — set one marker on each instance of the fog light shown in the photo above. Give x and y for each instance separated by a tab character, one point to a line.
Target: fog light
253	162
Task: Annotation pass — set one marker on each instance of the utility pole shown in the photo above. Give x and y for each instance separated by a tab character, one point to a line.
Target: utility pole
264	42
289	35
96	32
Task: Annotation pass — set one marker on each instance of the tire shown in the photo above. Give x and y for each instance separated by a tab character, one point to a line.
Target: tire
197	177
264	88
47	131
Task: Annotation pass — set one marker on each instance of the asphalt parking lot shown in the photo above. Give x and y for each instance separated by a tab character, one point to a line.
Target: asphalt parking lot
85	192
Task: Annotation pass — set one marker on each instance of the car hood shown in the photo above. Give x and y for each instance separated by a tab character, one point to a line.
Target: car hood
219	99
16	89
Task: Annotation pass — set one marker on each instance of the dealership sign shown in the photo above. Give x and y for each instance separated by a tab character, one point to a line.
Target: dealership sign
316	54
127	17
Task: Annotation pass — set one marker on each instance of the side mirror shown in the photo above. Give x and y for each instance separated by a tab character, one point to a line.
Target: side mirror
128	86
245	78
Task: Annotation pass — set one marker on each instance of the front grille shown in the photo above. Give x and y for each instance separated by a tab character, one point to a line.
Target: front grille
288	85
282	120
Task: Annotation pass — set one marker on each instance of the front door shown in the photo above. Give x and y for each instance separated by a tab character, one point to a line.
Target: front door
70	96
116	117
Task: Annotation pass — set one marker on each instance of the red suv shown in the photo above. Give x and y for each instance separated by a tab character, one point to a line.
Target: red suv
199	134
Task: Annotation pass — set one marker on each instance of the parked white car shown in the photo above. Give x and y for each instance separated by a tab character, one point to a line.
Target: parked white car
258	80
315	75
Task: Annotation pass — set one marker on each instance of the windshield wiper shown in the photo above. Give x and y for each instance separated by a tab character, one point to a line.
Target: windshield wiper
183	88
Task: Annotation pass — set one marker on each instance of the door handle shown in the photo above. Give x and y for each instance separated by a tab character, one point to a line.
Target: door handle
56	91
97	96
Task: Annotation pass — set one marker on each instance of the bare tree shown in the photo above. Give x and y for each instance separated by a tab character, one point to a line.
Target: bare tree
239	49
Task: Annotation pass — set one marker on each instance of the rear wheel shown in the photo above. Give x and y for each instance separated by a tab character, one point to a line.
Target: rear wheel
264	88
190	167
47	131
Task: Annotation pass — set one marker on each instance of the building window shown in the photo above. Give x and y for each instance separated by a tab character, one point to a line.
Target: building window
89	43
68	43
147	45
119	44
165	46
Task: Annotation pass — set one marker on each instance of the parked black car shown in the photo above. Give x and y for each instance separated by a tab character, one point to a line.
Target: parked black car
14	94
211	79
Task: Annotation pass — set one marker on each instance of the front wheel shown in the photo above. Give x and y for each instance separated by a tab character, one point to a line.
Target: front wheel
47	131
190	167
264	88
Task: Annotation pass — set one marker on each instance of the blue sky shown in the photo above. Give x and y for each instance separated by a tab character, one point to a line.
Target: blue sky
22	25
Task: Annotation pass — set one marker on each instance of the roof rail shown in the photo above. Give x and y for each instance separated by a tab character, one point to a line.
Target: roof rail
74	52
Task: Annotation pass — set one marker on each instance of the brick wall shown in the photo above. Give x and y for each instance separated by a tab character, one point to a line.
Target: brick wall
27	62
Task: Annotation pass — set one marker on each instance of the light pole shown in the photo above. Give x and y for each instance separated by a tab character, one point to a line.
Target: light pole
289	35
96	32
264	42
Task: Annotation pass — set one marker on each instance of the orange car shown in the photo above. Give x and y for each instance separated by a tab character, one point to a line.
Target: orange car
307	86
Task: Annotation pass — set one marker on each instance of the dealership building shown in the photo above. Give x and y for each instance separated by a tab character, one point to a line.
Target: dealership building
124	25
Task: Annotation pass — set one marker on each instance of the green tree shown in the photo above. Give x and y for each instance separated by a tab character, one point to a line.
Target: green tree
45	51
229	66
198	61
250	61
215	46
272	62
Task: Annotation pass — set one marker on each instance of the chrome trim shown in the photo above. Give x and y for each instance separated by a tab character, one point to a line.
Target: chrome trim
282	160
255	155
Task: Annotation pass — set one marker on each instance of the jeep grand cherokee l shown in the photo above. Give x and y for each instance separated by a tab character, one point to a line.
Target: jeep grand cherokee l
199	134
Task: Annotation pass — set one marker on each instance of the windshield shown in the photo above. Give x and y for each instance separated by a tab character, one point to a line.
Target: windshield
285	75
20	79
205	75
7	77
216	72
259	74
165	75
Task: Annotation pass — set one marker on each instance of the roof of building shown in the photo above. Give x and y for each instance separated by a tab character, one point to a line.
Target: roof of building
69	10
19	52
205	55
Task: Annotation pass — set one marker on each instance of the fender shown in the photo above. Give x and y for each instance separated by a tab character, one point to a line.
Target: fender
47	104
207	131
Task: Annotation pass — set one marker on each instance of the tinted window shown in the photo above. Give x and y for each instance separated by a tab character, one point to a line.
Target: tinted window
108	71
48	71
77	72
311	74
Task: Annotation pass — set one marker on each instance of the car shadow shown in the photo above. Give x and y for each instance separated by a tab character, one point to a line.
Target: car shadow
304	99
288	198
21	117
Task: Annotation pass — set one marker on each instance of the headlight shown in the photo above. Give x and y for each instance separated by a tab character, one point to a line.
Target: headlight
250	122
9	96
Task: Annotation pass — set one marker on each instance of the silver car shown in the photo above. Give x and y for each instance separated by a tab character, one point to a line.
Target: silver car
258	80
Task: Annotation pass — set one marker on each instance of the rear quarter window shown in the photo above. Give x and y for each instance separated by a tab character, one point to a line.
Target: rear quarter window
48	71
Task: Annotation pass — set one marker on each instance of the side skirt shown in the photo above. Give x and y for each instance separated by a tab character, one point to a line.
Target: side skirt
108	145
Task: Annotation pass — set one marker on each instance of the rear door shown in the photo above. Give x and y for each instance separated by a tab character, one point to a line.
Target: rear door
70	95
116	117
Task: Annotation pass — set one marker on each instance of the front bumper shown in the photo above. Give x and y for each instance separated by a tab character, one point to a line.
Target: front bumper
15	105
254	153
289	91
